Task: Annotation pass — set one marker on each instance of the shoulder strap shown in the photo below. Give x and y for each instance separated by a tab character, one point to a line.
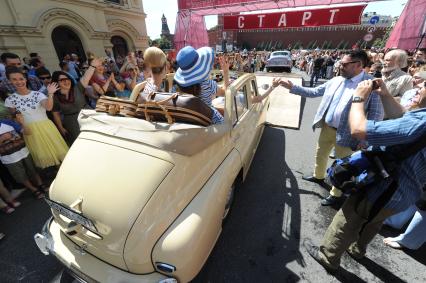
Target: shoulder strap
383	199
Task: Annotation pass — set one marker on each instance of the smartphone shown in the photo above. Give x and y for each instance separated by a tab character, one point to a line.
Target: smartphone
375	85
377	74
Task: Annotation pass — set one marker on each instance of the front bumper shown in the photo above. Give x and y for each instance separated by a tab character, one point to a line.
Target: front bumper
82	265
278	65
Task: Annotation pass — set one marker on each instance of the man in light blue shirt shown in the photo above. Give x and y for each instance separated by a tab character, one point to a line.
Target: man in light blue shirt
332	115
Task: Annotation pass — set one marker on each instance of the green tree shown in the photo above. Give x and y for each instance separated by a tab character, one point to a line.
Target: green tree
162	43
381	42
155	42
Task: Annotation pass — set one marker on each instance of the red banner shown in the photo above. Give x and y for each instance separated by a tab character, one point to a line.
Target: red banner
349	15
250	5
197	4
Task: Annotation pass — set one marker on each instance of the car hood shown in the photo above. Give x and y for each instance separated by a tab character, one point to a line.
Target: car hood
109	184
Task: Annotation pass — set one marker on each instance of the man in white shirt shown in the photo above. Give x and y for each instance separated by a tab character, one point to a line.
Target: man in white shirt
397	81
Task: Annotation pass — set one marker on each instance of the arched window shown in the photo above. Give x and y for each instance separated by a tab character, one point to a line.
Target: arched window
67	42
119	46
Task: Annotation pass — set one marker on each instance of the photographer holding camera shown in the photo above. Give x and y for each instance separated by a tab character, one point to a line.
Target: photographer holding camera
363	213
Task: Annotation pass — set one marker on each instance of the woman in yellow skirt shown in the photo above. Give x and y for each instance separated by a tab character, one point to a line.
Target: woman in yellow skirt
45	143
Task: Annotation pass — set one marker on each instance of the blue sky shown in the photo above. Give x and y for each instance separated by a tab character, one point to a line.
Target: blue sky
155	9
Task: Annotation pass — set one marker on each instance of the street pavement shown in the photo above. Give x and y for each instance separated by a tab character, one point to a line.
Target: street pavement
273	214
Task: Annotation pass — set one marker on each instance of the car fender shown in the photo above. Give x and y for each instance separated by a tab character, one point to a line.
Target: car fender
187	243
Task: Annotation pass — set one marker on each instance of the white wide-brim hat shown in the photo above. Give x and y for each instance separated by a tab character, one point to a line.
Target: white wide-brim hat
194	65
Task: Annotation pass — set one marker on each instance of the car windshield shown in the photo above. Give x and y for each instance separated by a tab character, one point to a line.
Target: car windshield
280	53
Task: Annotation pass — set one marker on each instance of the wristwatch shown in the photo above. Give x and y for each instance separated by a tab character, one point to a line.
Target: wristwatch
357	99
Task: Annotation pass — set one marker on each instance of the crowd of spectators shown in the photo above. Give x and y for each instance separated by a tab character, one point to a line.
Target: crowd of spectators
325	64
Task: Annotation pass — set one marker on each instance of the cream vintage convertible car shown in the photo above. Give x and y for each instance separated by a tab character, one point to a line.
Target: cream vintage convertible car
136	201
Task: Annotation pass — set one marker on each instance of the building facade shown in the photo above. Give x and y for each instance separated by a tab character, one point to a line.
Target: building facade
326	37
53	28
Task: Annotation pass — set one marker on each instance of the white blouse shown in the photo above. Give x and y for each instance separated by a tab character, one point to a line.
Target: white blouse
29	105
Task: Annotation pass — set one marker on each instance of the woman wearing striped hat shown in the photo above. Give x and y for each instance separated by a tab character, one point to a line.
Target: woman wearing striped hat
193	74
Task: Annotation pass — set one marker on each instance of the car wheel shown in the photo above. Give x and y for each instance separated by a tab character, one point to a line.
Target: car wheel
288	70
267	70
229	201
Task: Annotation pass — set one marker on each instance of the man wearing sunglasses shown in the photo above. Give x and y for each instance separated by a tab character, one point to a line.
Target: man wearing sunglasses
332	115
45	77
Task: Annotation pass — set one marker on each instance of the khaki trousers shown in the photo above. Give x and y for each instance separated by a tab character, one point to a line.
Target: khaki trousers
326	142
347	232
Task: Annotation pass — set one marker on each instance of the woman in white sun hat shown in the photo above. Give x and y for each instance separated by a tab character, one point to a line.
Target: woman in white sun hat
193	76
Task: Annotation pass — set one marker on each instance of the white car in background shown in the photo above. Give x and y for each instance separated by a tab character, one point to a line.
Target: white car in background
279	60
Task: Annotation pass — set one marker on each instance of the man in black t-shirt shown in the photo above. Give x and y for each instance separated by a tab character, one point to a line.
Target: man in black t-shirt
318	62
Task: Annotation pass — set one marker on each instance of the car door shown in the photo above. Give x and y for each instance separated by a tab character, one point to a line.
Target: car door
283	108
260	109
246	123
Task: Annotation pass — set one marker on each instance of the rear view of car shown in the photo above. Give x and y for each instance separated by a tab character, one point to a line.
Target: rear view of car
136	201
278	61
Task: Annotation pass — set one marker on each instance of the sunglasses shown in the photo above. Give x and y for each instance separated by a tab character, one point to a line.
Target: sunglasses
344	64
157	70
45	78
63	80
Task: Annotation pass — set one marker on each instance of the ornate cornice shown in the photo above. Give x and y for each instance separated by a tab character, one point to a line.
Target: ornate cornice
60	13
19	30
121	25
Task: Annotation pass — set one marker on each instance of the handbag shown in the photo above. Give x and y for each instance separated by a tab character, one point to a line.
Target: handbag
116	106
174	107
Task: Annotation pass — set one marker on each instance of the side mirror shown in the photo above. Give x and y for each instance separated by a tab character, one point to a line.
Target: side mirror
265	86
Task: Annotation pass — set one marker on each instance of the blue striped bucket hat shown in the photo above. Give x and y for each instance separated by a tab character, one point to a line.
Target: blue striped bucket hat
194	65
